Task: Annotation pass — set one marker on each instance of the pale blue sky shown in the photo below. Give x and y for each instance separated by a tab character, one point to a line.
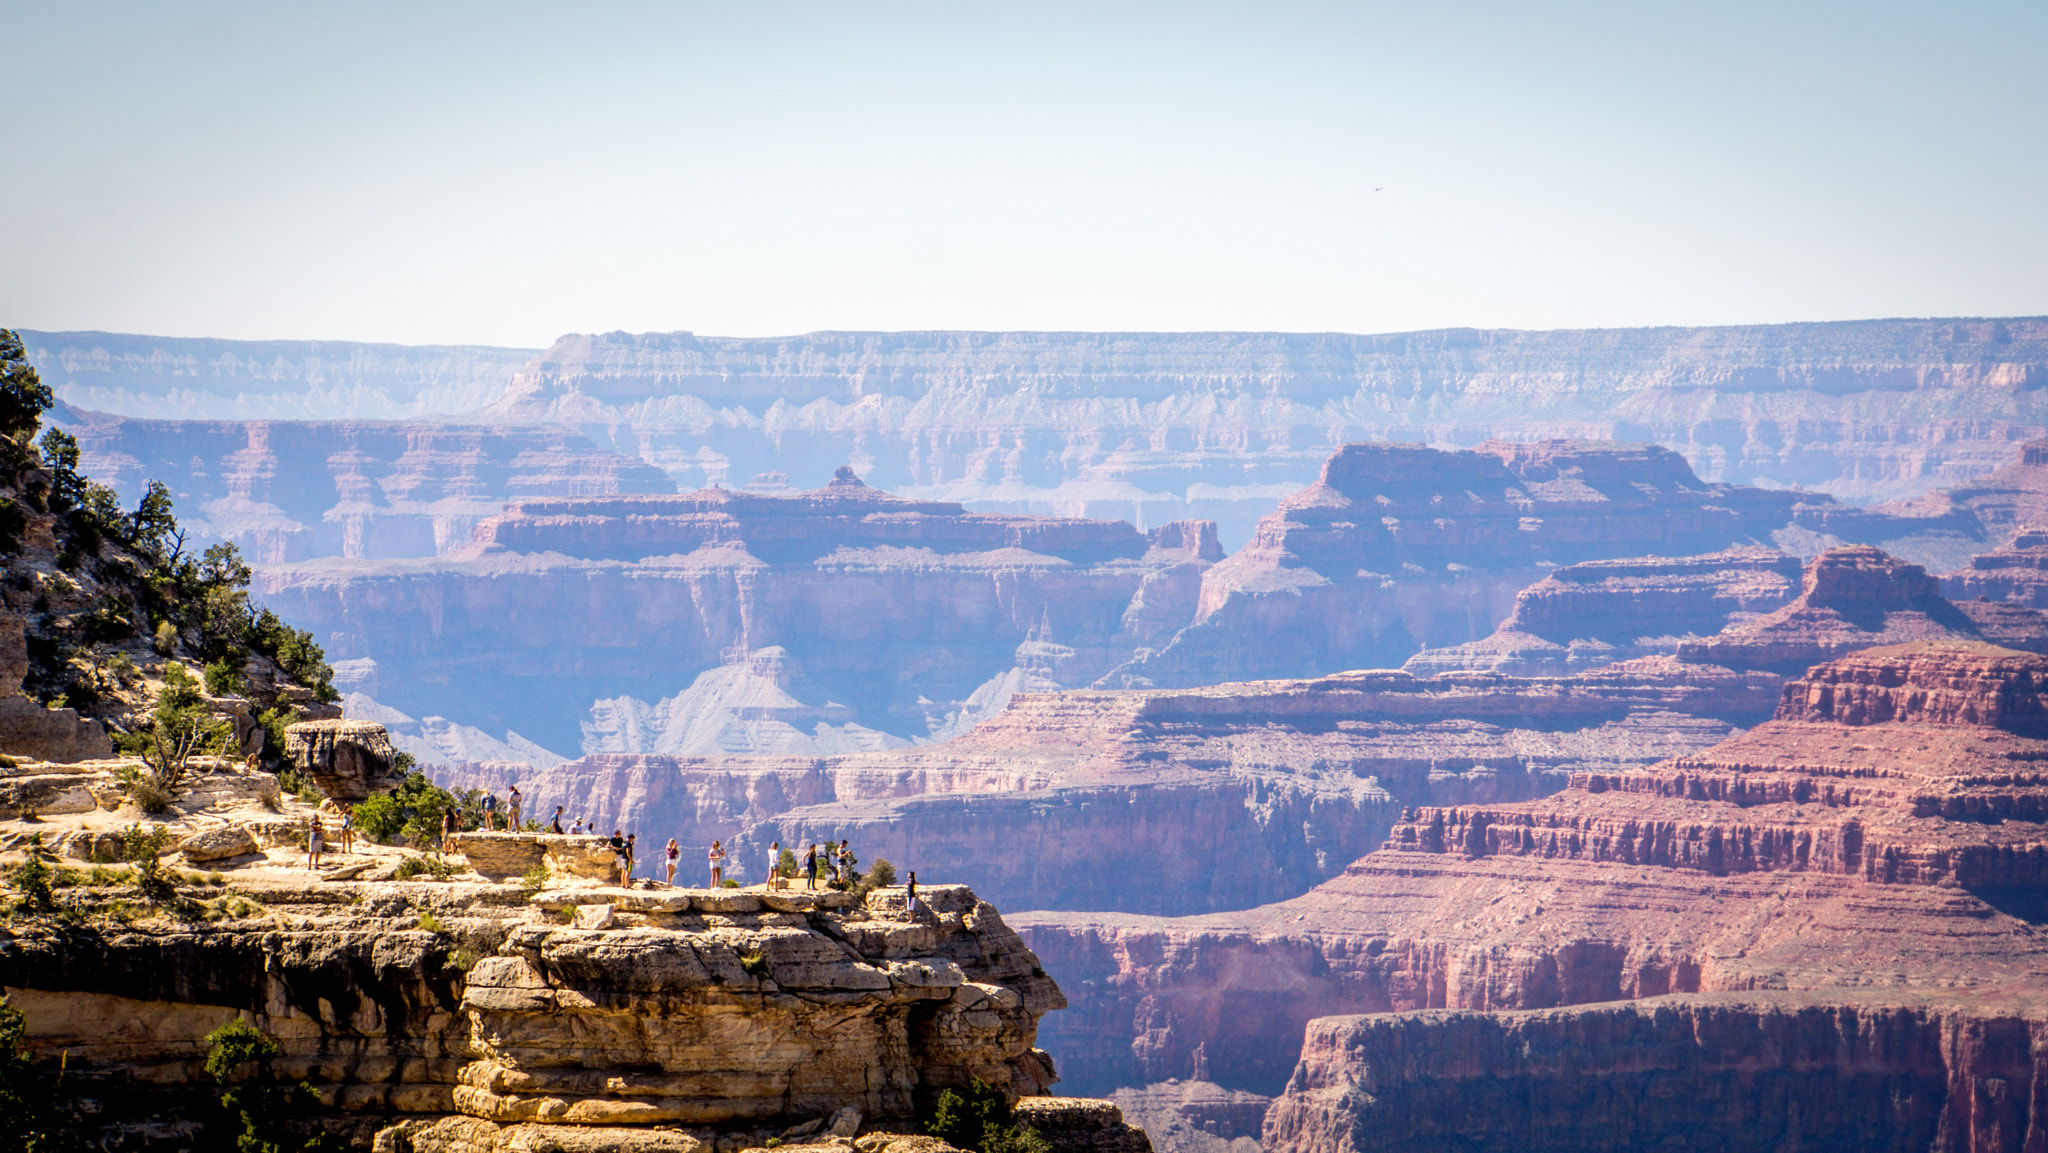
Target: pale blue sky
504	173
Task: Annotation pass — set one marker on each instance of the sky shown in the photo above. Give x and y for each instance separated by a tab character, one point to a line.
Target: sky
504	173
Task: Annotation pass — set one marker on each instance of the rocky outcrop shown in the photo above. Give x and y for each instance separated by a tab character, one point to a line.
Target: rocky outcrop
1152	427
1858	597
1163	801
1586	616
1398	547
1829	848
1728	1072
889	614
348	760
430	1001
2016	572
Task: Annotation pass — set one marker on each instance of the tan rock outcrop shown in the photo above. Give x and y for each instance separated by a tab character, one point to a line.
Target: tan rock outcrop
348	760
497	1017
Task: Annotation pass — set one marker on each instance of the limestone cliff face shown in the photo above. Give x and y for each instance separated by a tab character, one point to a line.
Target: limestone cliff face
292	490
712	1008
1830	848
897	612
1729	1072
1164	802
1152	427
1858	597
1398	547
1589	615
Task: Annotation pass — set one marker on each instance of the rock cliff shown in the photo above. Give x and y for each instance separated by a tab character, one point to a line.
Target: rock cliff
1152	427
1398	547
1755	1071
713	1009
1855	598
1164	801
889	613
1589	615
1884	830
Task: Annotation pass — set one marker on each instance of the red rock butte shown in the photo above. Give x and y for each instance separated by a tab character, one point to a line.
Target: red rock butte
1884	829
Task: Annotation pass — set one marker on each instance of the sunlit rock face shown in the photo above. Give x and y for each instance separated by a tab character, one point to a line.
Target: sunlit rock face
1152	427
840	618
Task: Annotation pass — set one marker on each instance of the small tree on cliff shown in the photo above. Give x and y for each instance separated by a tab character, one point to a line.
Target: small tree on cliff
979	1118
238	1056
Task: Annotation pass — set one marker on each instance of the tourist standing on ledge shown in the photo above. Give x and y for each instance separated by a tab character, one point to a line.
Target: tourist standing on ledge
717	865
512	799
843	863
490	807
555	826
673	853
348	828
315	842
620	861
913	894
632	852
774	862
447	827
811	866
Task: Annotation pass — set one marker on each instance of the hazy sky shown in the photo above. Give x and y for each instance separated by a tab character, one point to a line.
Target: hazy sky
504	173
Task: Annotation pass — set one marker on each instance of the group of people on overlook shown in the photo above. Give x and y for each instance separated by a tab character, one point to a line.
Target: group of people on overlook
833	864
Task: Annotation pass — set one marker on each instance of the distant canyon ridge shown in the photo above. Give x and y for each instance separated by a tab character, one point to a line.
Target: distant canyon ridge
429	511
1144	427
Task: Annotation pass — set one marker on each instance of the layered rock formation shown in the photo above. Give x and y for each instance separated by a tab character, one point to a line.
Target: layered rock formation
1752	1071
1586	616
2017	572
1163	802
894	613
1152	427
1885	830
1399	547
436	1001
1856	598
291	490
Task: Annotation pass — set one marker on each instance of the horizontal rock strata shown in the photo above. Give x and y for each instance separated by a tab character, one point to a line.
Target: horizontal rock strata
1900	845
1722	1072
1164	802
431	999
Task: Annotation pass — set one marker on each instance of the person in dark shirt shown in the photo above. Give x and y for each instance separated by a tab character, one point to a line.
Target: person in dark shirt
913	894
555	826
622	859
811	867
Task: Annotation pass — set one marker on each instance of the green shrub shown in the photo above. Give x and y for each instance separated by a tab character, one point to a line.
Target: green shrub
432	924
535	880
755	964
261	1108
32	881
785	865
223	679
979	1119
880	875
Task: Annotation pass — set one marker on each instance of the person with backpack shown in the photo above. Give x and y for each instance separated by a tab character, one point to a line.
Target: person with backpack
490	807
622	859
512	799
555	826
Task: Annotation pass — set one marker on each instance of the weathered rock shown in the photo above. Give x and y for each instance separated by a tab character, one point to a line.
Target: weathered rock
348	760
473	1135
1590	615
1856	598
1168	801
1885	831
217	844
594	917
1081	1125
1751	1071
1398	547
845	1123
31	732
2016	572
507	1017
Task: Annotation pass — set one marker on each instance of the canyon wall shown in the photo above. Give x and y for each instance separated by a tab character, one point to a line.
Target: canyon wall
1886	829
1161	802
845	616
1397	548
1728	1073
1153	427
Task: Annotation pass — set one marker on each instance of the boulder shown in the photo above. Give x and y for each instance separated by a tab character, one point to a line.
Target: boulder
348	760
217	844
594	917
845	1123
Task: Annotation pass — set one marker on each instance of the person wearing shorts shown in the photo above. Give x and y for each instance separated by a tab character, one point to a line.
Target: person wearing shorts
774	861
512	799
622	861
717	865
673	853
316	841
